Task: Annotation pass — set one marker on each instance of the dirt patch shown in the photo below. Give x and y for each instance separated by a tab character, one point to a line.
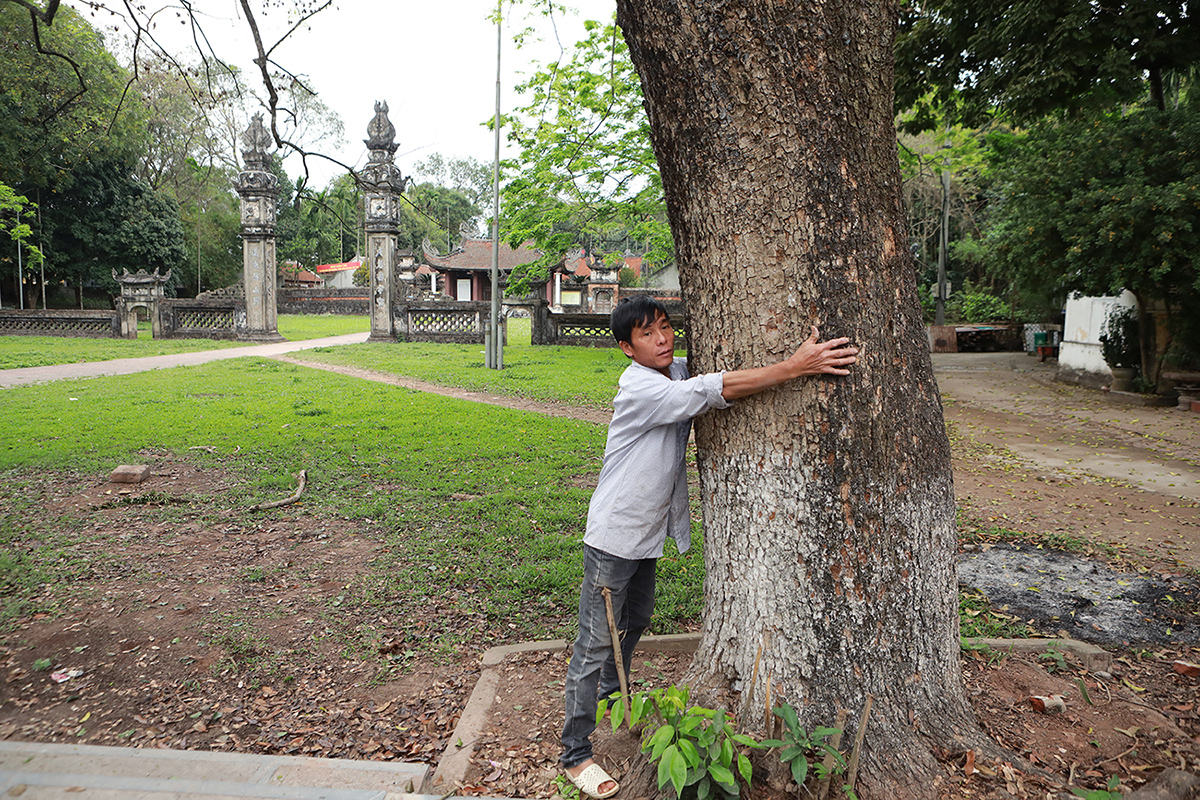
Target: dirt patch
1137	720
1055	591
216	630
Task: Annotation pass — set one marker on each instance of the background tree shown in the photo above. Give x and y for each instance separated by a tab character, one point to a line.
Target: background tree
1065	64
964	60
185	158
61	101
947	178
211	220
15	213
469	176
586	165
1101	206
828	504
439	214
109	221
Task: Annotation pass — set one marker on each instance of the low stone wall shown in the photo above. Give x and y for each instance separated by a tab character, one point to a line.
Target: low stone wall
64	322
324	301
453	322
202	319
580	330
587	330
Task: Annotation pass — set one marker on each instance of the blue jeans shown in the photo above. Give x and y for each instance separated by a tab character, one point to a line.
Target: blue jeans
592	672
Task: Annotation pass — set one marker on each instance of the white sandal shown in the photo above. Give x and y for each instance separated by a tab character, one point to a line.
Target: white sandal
590	780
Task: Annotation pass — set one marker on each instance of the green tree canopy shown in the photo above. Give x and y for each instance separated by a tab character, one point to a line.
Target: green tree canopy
1101	206
61	100
14	224
586	162
107	221
468	176
966	59
437	213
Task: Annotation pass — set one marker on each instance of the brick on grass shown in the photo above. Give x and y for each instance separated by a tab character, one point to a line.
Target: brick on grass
130	473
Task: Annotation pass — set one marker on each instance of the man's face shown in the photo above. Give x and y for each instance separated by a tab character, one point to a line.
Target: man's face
652	345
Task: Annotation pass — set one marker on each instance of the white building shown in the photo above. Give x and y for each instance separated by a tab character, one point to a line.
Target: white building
1079	357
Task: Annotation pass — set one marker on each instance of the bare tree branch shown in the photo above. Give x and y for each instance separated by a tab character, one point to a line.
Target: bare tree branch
46	14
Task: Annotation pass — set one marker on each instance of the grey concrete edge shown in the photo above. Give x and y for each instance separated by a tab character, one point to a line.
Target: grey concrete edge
456	758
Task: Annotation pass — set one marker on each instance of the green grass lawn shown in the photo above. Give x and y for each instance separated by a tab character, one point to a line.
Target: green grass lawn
488	502
298	327
583	376
454	483
41	351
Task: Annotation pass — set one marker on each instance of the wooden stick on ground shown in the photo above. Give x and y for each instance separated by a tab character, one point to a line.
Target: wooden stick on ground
749	690
616	643
835	742
302	478
852	769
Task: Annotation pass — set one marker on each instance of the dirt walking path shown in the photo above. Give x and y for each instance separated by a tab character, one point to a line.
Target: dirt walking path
1035	455
1030	454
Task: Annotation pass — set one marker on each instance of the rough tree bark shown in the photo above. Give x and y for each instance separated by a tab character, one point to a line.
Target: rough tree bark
828	503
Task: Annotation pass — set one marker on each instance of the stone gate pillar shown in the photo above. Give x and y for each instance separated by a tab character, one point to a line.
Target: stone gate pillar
259	190
382	186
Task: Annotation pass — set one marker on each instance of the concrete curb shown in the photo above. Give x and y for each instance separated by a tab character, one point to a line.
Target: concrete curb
1094	658
36	770
457	757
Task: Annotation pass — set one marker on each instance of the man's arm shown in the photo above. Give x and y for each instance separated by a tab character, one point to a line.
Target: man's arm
811	358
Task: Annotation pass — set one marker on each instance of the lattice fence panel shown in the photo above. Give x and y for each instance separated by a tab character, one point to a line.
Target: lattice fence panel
48	326
569	330
443	322
208	319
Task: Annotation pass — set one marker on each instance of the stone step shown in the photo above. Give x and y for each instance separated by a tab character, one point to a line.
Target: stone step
33	770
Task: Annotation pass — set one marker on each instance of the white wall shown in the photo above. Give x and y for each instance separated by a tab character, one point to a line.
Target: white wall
1080	350
342	279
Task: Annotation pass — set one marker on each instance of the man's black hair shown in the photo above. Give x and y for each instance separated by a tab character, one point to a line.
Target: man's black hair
638	310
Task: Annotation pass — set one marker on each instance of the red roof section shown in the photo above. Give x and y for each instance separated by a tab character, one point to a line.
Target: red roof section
327	268
476	254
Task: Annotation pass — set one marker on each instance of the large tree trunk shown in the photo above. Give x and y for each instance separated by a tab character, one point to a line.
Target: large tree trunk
828	503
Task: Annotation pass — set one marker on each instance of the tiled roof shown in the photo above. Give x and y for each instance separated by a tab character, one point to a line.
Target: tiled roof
476	254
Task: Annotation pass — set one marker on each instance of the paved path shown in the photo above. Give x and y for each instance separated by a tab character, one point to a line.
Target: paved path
127	366
37	771
1017	401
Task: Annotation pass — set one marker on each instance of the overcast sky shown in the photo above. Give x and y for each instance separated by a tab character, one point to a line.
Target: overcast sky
433	61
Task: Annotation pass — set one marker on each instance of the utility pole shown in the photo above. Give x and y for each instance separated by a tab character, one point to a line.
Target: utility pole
20	269
944	237
495	345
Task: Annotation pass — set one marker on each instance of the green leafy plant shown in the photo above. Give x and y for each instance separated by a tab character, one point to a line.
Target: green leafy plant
796	745
695	747
1119	338
1110	793
977	618
1054	660
983	307
564	788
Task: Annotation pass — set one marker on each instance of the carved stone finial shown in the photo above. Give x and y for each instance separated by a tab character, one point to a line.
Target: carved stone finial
381	131
257	140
